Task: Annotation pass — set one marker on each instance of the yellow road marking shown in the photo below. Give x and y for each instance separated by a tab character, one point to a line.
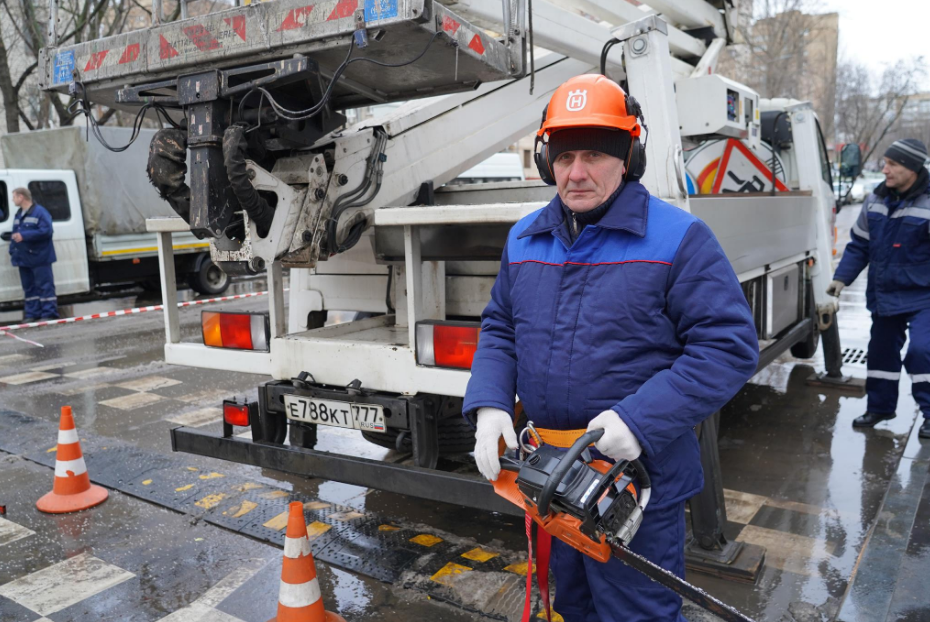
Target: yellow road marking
316	505
192	469
317	529
479	555
274	494
242	509
388	528
787	551
55	448
211	501
277	523
347	515
519	569
425	539
183	488
146	482
212	476
446	575
247	487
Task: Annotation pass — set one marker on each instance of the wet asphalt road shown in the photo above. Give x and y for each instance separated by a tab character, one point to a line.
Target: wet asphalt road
799	481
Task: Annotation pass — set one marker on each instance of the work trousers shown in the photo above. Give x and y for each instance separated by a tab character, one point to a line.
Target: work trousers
884	361
39	288
587	590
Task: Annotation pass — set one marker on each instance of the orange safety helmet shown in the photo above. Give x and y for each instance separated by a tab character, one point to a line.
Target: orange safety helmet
590	101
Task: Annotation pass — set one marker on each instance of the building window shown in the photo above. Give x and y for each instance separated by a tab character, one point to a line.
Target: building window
53	196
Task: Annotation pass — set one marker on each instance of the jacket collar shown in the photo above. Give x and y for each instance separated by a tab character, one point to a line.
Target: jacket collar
628	212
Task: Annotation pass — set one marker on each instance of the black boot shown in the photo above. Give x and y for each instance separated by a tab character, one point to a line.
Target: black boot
924	429
869	419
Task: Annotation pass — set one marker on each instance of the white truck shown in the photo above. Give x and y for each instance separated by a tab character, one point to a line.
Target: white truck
363	220
99	201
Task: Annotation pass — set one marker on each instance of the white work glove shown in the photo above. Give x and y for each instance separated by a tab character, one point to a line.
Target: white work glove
493	423
618	442
835	288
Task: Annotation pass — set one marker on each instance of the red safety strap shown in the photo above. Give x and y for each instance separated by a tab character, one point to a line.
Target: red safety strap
544	547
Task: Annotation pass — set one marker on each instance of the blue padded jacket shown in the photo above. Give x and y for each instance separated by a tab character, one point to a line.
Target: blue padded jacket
642	314
36	249
892	237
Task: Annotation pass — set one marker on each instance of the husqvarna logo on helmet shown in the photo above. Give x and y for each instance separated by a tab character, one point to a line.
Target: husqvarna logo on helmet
576	100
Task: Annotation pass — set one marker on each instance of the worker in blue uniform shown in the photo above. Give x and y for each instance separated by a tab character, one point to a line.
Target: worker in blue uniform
612	310
892	237
31	250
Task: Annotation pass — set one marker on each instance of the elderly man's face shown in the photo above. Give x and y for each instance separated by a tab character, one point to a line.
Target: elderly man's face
898	177
586	178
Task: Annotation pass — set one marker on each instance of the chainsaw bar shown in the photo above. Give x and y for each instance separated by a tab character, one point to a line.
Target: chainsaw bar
678	585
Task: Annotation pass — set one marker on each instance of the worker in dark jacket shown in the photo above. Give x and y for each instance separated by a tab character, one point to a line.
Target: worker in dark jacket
892	237
31	249
612	310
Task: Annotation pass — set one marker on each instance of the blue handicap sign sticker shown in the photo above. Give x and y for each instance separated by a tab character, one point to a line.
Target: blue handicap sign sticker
64	67
380	9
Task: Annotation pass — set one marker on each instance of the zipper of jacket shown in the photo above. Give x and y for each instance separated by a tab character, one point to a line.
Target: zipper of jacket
574	225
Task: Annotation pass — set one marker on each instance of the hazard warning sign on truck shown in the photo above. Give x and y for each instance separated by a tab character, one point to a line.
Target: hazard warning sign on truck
728	166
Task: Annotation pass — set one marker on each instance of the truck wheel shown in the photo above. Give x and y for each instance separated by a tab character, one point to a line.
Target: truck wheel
209	279
456	436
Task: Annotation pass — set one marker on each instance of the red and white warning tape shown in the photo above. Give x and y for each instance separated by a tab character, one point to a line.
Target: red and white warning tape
97	316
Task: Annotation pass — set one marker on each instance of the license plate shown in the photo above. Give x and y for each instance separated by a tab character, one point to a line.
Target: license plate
368	417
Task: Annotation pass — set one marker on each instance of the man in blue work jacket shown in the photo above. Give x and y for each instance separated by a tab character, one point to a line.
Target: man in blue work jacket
892	237
612	310
31	249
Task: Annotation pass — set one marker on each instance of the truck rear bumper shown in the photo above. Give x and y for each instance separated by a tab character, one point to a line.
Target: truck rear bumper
434	485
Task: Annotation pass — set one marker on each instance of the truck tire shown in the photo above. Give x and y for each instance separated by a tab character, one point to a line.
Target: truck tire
208	279
456	436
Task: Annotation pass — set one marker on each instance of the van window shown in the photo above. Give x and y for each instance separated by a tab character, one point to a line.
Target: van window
53	196
4	206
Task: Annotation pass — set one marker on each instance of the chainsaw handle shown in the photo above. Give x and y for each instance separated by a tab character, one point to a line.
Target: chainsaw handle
565	464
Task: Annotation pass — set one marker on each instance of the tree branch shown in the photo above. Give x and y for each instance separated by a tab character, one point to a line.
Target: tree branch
26	120
22	79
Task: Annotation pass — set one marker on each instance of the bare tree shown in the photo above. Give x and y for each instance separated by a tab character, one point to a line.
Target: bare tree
80	20
866	112
22	26
789	50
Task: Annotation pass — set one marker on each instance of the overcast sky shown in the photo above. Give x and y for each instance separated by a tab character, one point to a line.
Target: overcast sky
880	33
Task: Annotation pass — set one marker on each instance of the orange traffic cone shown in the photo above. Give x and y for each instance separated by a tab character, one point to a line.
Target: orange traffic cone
300	599
72	490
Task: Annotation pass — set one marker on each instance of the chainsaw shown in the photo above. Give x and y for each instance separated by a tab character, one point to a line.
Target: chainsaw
591	505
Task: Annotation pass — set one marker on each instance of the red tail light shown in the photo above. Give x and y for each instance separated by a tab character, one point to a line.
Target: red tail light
447	344
241	331
236	414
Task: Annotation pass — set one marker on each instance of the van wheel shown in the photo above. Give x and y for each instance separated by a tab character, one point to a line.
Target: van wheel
209	279
456	436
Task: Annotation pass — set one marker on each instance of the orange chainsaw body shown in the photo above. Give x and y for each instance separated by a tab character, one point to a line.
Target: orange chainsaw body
565	527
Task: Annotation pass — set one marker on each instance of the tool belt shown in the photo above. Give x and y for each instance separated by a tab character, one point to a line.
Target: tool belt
562	439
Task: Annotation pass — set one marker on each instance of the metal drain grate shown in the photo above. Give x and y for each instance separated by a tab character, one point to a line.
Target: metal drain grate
854	356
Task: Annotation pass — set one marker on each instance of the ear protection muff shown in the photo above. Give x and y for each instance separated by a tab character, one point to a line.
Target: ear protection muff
541	154
636	162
